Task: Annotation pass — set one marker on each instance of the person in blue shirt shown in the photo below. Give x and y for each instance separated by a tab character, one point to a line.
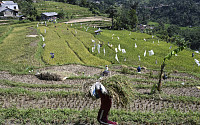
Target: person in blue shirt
192	54
139	69
52	55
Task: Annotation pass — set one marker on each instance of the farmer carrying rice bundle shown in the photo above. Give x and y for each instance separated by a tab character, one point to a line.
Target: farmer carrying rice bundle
109	90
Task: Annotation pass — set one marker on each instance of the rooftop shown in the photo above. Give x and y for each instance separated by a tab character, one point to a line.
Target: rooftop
8	3
50	13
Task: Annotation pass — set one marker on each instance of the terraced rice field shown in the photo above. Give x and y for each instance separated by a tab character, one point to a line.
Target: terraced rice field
28	92
26	99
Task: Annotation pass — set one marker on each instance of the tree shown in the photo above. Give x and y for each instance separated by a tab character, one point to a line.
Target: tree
61	14
83	3
168	57
133	20
27	8
112	11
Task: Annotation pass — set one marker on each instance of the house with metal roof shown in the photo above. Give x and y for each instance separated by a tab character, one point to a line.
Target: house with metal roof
9	9
10	5
49	15
7	12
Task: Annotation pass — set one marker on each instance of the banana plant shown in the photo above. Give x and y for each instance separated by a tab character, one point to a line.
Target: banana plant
168	57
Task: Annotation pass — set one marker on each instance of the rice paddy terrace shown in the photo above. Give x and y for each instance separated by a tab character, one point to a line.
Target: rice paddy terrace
26	99
66	102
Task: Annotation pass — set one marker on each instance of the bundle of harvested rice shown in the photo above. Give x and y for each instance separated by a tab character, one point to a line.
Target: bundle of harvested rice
119	89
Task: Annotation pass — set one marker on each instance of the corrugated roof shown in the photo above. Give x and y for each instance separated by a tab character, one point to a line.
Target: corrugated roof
50	13
2	9
8	2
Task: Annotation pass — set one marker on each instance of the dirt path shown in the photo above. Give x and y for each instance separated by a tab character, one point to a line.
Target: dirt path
88	19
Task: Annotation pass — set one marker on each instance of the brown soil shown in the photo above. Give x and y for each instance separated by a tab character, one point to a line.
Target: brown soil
80	103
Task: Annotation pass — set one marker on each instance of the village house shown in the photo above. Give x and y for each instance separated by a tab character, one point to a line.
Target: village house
142	27
49	16
9	9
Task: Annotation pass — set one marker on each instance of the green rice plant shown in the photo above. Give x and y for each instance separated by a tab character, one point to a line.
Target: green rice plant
127	41
78	48
17	51
4	32
58	46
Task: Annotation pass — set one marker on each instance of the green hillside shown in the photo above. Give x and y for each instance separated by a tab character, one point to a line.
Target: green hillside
127	40
72	44
70	10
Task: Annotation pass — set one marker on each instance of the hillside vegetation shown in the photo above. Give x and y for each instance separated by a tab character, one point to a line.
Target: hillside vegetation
127	40
71	44
71	11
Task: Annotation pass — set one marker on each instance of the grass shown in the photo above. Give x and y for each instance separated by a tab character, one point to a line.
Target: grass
28	85
67	116
21	91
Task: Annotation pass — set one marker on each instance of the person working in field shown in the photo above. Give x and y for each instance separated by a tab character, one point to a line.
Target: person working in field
106	102
139	69
106	72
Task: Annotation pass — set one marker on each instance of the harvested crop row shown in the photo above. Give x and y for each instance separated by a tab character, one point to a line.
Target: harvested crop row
78	102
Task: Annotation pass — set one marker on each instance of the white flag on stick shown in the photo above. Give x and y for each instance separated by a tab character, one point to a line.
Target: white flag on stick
139	57
123	51
119	47
197	62
135	45
145	53
98	48
42	38
93	48
151	53
116	58
116	50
